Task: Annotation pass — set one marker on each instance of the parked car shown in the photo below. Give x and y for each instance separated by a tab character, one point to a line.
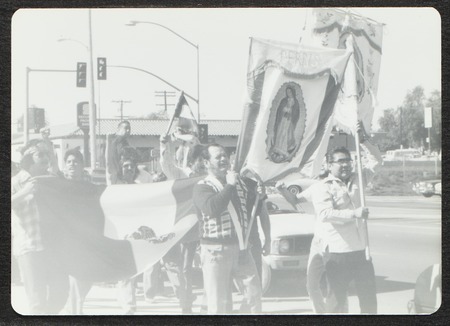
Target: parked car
400	154
296	184
428	188
291	235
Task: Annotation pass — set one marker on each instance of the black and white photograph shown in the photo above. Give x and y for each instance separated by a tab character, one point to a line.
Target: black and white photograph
226	161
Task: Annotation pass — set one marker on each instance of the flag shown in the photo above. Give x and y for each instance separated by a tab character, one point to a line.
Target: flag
186	121
91	230
334	28
291	92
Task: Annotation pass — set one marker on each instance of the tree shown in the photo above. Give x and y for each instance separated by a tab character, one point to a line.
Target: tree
434	101
389	122
405	125
414	133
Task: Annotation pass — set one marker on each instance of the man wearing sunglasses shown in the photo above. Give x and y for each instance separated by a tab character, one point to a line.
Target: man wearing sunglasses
339	227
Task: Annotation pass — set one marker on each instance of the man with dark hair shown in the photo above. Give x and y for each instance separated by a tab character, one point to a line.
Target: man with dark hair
74	165
129	171
340	228
221	203
46	283
74	171
114	145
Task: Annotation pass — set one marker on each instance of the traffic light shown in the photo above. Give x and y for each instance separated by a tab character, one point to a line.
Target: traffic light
101	68
203	133
39	119
81	74
36	119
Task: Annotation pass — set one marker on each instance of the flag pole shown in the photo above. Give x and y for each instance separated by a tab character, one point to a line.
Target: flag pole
170	125
350	76
362	194
256	204
174	114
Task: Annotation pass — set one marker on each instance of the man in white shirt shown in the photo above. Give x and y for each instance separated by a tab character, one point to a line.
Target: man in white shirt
340	228
338	244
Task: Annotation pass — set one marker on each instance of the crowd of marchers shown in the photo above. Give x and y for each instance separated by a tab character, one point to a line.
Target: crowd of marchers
224	201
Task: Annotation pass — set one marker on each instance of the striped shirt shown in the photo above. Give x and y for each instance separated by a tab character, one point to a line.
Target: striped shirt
215	220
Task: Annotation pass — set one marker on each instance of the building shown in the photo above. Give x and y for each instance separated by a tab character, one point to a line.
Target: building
144	137
145	134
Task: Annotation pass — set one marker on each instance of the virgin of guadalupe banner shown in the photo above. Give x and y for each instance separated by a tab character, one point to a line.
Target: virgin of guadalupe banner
291	93
332	28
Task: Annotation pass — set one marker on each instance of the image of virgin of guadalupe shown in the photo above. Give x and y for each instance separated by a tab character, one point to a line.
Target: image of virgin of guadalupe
283	143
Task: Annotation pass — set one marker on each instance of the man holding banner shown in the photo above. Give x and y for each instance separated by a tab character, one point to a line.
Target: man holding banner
340	228
221	203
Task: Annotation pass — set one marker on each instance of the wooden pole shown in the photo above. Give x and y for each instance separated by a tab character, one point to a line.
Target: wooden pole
362	194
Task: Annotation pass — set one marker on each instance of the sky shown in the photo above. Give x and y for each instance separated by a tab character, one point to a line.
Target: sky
411	56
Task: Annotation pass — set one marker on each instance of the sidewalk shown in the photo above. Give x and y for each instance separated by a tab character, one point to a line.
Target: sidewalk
101	300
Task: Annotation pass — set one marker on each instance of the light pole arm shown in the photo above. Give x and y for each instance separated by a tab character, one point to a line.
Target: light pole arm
73	40
134	23
156	76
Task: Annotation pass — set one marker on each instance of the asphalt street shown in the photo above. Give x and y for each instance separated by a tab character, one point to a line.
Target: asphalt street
405	238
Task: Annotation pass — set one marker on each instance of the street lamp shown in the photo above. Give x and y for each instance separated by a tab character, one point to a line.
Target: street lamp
92	115
196	46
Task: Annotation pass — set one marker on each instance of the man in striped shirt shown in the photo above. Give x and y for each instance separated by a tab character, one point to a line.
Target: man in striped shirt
221	203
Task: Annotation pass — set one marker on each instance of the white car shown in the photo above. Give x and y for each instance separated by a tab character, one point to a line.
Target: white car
291	236
428	188
296	183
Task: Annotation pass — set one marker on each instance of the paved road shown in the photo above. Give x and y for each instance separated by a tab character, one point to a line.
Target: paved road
405	238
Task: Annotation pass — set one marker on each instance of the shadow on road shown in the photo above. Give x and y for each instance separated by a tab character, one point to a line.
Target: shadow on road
384	285
287	286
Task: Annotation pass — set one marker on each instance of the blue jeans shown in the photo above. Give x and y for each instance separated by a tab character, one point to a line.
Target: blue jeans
221	263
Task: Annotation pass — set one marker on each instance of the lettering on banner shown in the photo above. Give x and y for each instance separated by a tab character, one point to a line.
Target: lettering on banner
300	59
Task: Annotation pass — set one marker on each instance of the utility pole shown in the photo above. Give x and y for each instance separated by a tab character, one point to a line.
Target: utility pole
92	113
121	106
165	94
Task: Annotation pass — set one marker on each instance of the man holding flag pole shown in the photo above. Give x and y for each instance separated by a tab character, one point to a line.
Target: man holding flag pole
334	28
222	204
342	217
